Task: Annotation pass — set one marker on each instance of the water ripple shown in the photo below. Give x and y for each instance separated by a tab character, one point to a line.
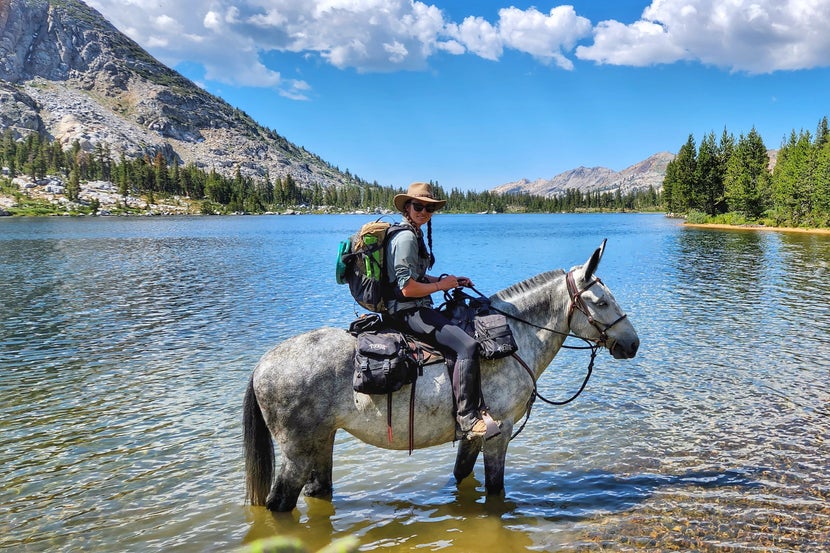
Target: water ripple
125	347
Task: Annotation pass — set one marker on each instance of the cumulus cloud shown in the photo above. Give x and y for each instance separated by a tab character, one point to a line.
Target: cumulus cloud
479	37
230	38
756	36
545	36
639	44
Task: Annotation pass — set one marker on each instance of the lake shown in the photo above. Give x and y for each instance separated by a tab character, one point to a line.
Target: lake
126	345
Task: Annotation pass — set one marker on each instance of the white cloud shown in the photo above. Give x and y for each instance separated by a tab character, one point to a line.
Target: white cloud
479	37
545	37
229	37
212	21
397	51
367	35
756	36
639	44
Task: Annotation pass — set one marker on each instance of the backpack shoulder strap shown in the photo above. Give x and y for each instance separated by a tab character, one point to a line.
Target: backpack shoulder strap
395	228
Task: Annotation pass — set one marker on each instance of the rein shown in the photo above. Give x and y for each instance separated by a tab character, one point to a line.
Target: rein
577	303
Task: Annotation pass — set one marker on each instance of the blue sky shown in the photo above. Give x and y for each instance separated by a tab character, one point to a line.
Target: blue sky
477	93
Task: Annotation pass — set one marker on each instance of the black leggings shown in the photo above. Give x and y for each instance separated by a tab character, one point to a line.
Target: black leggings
428	322
466	383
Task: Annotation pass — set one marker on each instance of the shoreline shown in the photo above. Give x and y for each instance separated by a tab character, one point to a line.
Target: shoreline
721	226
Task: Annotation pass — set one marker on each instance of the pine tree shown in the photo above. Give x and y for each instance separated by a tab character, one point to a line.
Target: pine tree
726	147
73	187
821	200
680	178
161	181
124	178
792	180
177	186
708	177
746	183
822	133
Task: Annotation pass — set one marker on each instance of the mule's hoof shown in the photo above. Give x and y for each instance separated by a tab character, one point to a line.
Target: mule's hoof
280	504
318	493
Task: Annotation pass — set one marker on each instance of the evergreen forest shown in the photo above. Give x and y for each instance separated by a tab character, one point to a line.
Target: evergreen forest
153	177
728	180
722	180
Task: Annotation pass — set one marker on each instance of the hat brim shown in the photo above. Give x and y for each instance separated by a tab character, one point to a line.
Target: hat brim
401	199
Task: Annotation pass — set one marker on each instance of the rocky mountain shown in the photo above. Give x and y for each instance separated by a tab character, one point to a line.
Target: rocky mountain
640	176
69	74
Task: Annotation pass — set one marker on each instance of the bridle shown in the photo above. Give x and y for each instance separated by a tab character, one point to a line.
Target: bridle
578	304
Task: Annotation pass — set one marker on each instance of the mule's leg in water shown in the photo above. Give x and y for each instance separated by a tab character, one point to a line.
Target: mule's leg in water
320	482
300	457
495	452
466	458
289	482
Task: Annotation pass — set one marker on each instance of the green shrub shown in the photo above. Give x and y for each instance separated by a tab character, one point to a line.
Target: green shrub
209	208
696	217
731	218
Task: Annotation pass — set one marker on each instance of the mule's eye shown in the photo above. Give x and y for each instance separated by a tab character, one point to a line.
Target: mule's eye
602	303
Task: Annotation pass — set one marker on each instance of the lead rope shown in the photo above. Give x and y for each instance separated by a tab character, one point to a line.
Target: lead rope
535	393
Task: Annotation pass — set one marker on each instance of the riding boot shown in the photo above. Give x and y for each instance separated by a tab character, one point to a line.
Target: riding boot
466	384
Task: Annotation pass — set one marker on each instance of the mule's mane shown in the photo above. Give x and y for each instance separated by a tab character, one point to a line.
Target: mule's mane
520	289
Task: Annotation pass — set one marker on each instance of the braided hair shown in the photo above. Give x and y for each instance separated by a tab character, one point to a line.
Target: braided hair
429	242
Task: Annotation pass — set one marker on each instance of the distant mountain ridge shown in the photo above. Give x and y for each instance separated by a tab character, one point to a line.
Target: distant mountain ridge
649	172
69	74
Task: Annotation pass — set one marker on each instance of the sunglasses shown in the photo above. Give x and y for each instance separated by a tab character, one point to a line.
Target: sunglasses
420	207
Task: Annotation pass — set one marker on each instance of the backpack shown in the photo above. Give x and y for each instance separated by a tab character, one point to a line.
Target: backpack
361	264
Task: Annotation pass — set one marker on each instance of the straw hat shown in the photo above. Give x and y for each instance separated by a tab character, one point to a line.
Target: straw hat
420	191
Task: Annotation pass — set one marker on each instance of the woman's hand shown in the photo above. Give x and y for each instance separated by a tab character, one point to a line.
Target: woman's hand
414	289
451	281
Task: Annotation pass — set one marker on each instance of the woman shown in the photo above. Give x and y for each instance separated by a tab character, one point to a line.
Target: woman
408	261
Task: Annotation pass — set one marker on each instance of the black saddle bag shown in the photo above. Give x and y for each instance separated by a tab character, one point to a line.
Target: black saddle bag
490	328
494	337
382	363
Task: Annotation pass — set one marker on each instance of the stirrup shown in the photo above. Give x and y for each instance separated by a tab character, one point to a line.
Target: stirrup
493	426
474	433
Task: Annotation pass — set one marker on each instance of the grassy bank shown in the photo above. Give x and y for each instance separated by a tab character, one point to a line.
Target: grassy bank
757	227
736	221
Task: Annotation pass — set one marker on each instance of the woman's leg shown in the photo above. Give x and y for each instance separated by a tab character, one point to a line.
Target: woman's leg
466	375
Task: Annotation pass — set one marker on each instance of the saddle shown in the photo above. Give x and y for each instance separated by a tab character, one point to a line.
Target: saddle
419	351
387	358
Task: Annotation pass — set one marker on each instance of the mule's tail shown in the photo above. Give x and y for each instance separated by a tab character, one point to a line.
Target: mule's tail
259	450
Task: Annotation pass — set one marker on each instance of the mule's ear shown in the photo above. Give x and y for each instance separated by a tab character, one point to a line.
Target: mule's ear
591	264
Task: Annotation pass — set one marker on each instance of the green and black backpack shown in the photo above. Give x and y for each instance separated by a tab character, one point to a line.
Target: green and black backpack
361	264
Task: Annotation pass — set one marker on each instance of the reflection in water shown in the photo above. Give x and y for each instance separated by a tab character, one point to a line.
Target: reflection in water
461	520
126	345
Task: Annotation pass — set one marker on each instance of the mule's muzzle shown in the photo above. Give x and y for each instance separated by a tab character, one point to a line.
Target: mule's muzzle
624	349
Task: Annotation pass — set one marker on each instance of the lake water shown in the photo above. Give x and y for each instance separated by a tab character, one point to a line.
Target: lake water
126	345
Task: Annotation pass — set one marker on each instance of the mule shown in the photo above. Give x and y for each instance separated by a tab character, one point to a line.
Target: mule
300	392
